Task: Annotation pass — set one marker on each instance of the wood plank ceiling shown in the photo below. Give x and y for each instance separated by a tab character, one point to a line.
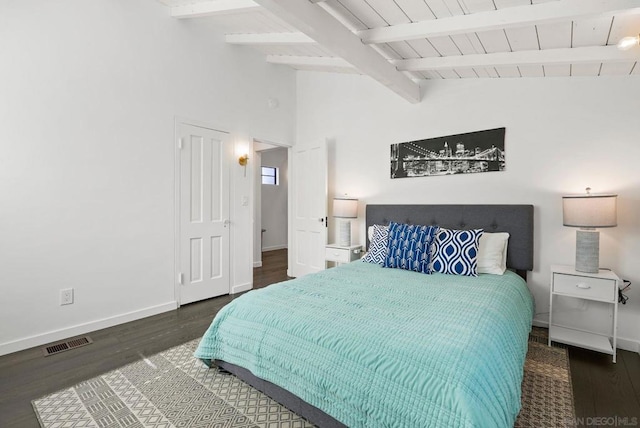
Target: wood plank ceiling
432	39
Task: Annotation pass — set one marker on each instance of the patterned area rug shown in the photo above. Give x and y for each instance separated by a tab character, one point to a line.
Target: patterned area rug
547	396
173	389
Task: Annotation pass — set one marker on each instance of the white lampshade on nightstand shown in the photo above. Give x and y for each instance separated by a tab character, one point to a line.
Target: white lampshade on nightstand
589	212
345	209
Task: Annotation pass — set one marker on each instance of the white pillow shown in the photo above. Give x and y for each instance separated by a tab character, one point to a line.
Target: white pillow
492	253
370	231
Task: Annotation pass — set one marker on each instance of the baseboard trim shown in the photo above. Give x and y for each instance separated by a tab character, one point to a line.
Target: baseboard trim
628	344
242	287
621	342
274	248
539	323
76	330
257	264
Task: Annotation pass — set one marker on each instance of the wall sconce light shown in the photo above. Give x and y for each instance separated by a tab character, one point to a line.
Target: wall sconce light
242	160
627	43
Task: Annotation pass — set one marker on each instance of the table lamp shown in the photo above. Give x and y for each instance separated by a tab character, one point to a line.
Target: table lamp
589	212
345	209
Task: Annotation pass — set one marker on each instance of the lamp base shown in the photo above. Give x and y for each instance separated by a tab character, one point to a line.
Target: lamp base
587	251
344	236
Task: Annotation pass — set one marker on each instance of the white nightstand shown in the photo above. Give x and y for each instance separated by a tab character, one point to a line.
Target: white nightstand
338	254
601	287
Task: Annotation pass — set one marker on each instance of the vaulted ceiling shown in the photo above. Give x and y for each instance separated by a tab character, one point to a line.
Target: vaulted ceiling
400	42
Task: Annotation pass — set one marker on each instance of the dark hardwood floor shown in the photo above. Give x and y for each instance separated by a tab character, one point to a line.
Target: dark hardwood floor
601	389
606	394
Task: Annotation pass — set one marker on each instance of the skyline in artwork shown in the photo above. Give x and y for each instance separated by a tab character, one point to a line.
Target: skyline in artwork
481	151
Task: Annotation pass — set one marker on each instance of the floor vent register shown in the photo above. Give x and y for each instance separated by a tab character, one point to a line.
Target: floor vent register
66	345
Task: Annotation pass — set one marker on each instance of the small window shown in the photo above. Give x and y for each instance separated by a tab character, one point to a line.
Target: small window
270	175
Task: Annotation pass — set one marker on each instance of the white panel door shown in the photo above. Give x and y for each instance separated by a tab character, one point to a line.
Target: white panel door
204	213
308	235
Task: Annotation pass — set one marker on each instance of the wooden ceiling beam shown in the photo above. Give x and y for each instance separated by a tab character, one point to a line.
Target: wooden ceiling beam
269	39
591	54
309	61
320	26
509	17
213	8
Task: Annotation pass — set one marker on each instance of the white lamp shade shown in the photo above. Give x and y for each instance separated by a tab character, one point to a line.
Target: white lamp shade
590	211
345	208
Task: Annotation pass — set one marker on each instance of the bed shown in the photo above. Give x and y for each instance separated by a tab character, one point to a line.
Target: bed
362	345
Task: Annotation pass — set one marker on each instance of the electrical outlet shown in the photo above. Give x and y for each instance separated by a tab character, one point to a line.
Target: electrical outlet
66	296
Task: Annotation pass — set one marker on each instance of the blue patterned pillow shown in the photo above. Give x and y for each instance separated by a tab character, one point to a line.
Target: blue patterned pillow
378	246
456	252
409	247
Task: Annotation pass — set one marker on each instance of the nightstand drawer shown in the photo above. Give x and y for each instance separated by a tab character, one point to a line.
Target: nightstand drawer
340	255
584	287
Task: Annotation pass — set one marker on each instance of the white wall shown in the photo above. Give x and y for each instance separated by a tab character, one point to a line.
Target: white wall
562	135
274	202
90	92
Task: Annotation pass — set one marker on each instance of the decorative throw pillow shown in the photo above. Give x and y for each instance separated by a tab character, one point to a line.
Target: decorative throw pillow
377	245
492	253
409	247
456	252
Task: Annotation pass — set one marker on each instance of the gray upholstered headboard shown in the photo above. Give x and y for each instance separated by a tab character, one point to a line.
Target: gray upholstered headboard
515	219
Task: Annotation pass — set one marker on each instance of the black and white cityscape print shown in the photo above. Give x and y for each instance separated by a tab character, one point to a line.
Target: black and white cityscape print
480	151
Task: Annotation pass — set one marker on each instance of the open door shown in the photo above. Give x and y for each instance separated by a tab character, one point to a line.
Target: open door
308	216
203	224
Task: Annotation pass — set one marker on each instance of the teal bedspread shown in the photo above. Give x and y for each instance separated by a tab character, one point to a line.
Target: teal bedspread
376	347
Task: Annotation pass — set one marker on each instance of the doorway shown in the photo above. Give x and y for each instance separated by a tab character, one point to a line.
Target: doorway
271	202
